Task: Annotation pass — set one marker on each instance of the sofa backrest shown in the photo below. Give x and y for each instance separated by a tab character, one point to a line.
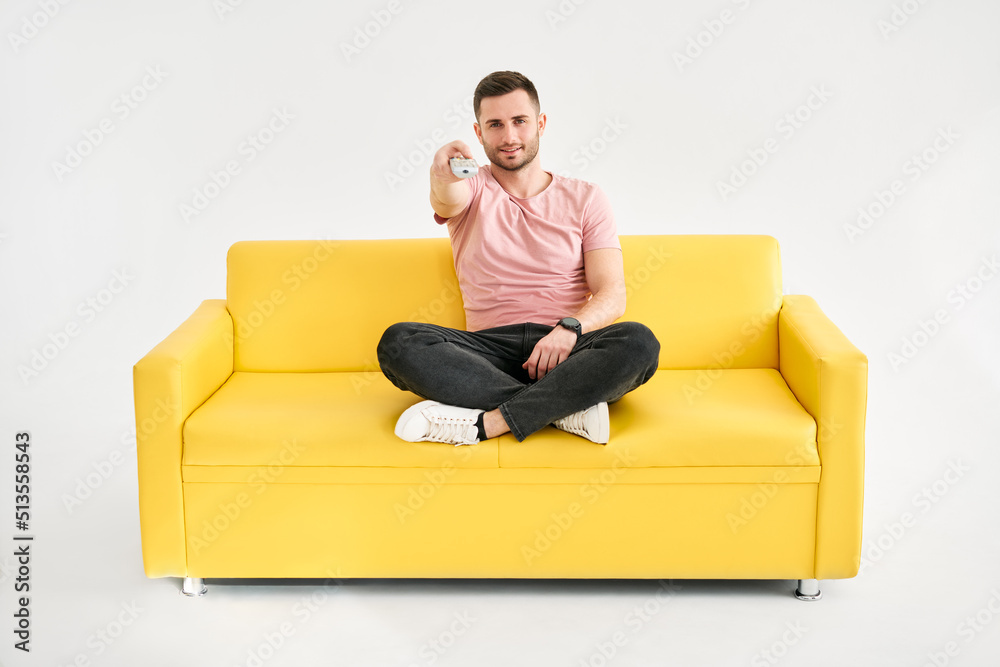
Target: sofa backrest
323	305
711	299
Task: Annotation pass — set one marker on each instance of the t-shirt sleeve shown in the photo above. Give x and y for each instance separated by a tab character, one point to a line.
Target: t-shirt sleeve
599	229
475	185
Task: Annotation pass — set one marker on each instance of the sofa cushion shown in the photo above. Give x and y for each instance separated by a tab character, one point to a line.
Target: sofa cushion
682	419
726	418
314	419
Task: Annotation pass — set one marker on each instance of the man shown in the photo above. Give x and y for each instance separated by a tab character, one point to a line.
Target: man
529	247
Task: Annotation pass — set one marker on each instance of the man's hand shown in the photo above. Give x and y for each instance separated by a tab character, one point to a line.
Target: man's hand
441	165
550	351
449	194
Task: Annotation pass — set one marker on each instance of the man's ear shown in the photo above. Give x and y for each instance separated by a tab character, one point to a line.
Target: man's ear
541	124
479	133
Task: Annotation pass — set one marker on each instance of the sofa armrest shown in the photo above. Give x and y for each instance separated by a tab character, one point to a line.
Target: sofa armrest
829	377
173	379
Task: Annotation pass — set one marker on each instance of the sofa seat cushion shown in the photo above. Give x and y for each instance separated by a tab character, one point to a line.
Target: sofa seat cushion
743	425
292	420
686	418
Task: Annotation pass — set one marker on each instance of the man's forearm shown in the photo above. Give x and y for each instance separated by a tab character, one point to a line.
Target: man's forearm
603	308
448	199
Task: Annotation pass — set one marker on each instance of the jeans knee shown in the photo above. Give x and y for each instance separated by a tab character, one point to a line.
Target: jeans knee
392	344
642	343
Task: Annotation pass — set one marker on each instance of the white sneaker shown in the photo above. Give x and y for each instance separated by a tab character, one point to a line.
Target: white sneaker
437	422
592	423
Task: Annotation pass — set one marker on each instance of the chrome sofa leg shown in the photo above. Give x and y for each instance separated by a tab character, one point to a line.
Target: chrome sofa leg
194	587
808	589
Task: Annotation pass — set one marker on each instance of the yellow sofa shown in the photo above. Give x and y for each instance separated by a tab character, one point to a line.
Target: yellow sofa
266	445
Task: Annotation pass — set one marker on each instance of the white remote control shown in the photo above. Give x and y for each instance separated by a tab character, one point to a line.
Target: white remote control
463	168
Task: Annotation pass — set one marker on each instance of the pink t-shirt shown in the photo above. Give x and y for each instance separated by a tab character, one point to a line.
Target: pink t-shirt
521	260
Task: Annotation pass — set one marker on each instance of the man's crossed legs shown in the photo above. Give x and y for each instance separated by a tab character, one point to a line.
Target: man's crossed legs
482	370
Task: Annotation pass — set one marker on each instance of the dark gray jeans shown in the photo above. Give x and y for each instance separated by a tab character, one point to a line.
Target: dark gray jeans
482	369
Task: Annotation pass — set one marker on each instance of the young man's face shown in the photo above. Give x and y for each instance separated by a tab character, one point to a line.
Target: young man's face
509	129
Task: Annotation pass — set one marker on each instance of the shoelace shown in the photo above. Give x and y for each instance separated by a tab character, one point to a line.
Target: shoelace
452	430
574	423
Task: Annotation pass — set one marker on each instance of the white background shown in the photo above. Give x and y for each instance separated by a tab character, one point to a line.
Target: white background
94	215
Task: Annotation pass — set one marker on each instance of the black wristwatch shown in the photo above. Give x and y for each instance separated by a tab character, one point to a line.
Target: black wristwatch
572	324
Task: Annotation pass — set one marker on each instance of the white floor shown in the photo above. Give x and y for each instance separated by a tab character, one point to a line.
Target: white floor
91	604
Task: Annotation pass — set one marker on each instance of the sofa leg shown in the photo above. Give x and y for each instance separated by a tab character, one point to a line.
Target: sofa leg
808	589
194	587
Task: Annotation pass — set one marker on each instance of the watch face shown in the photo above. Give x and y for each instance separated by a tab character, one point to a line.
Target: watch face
571	323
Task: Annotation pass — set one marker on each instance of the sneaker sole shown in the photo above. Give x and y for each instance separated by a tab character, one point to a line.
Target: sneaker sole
605	422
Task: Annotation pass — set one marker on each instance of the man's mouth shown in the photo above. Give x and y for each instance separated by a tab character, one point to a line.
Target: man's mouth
510	150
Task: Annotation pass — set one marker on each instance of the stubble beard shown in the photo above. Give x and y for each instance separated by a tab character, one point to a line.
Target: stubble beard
529	152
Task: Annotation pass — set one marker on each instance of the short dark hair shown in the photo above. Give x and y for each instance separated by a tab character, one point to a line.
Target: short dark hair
501	83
